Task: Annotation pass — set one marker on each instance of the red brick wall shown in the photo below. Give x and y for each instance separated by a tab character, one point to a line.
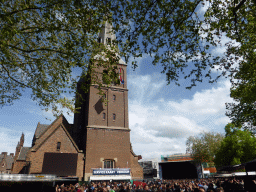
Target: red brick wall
18	166
136	169
107	144
110	144
119	107
50	145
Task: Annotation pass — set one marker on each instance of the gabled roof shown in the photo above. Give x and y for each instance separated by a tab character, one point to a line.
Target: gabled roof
40	129
23	153
60	121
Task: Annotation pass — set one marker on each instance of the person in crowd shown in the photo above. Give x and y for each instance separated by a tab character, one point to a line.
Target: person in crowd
185	185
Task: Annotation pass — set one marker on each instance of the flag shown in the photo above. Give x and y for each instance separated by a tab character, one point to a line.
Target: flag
120	76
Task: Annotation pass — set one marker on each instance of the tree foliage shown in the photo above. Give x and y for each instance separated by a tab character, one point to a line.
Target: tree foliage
237	19
204	146
238	146
42	41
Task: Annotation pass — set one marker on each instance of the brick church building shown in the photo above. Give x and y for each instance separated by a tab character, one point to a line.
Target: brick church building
97	146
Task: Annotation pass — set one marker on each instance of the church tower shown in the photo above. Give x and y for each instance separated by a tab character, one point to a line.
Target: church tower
101	128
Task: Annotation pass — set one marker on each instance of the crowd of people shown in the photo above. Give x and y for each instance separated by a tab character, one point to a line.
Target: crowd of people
184	185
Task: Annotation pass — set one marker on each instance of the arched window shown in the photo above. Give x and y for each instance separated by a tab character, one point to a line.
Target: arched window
104	116
109	163
114	97
114	116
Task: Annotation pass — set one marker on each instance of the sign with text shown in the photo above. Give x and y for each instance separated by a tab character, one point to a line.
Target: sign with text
117	171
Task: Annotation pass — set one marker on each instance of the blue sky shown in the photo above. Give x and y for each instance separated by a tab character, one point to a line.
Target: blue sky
161	116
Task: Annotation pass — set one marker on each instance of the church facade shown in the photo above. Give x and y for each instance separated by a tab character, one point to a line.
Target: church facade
97	146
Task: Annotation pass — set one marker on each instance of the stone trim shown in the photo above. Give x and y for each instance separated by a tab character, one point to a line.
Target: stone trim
105	127
113	88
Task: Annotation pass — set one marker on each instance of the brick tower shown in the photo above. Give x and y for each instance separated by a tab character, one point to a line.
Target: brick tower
101	129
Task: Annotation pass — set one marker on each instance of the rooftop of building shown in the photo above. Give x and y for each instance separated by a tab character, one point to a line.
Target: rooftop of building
8	158
177	157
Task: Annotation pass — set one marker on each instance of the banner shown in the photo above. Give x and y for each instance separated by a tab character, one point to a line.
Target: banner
123	171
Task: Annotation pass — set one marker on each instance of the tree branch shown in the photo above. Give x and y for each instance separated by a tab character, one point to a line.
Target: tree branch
236	28
29	8
8	73
41	49
239	5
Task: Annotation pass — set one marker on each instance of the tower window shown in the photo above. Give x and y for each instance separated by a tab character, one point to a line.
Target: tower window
58	146
105	77
109	163
114	97
109	41
104	116
114	116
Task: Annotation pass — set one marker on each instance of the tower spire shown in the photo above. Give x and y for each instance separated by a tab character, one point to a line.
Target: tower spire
22	139
106	35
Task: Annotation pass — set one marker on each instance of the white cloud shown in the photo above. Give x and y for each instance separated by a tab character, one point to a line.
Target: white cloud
157	131
206	102
9	139
145	87
222	121
176	127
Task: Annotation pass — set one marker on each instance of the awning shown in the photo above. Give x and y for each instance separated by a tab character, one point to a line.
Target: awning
110	177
